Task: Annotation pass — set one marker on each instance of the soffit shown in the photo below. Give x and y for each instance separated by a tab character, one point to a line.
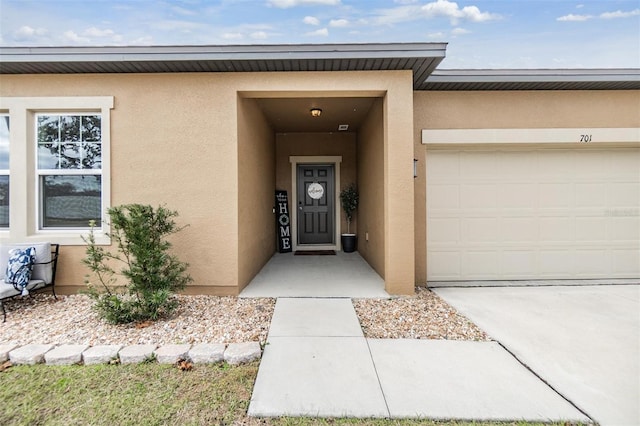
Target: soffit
421	58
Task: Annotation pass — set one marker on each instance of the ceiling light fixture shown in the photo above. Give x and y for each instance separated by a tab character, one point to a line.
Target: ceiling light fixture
315	112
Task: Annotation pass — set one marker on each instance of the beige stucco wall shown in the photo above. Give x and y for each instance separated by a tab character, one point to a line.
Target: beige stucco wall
525	109
256	182
370	180
342	144
175	141
399	220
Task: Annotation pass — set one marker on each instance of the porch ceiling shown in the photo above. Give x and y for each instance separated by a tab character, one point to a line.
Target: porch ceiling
293	114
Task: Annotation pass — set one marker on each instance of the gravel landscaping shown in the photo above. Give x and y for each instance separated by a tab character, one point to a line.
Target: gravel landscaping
210	319
423	316
199	319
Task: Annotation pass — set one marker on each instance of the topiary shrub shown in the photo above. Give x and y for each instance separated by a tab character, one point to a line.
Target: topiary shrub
349	200
144	287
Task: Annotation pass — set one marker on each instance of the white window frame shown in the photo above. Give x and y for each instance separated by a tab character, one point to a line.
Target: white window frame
24	200
6	172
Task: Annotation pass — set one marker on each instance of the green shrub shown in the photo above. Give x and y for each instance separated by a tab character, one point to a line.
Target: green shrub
143	289
349	200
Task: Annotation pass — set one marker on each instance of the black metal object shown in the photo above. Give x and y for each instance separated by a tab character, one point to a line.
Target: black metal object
55	250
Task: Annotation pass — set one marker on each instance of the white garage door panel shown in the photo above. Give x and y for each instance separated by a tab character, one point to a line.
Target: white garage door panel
533	214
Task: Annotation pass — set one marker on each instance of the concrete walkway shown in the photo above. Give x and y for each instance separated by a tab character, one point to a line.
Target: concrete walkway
317	363
584	341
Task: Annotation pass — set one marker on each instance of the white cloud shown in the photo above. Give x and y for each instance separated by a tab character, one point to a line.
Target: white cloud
95	32
338	23
232	36
451	10
176	25
435	36
322	32
182	11
73	37
606	15
459	31
397	14
259	35
26	33
142	41
435	9
620	14
311	20
574	18
285	4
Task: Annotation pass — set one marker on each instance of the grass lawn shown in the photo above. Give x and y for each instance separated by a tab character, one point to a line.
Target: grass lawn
143	394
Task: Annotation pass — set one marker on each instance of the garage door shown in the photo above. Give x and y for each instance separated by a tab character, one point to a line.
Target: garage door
533	214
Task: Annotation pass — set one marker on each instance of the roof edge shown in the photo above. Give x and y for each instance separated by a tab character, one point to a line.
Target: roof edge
221	52
533	75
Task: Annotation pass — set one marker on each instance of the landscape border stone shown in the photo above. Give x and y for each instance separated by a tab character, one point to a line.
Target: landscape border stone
29	354
240	353
70	354
207	353
100	354
4	351
170	354
65	355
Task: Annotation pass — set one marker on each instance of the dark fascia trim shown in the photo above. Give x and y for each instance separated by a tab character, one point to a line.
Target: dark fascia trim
535	75
221	53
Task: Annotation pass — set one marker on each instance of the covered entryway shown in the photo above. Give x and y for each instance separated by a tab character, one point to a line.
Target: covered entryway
523	213
363	133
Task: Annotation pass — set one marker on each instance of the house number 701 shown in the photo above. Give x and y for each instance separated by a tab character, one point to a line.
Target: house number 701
585	138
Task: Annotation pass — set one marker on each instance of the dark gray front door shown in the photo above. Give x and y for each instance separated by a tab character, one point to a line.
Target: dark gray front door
316	204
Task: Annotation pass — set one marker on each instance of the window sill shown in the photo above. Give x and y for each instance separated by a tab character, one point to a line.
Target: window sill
64	238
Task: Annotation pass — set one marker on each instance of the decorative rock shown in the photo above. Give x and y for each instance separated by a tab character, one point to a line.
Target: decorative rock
4	351
240	353
135	354
29	354
101	354
65	355
207	353
170	354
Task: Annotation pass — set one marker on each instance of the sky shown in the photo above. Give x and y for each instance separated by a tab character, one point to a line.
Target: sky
480	33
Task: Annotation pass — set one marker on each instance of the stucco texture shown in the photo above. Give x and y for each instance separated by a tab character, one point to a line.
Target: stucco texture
199	144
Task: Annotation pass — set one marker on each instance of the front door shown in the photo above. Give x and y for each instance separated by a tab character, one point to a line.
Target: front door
316	195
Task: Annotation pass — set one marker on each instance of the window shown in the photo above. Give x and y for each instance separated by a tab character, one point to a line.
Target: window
69	169
4	171
60	173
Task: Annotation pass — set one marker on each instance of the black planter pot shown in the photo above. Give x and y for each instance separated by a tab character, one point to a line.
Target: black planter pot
349	243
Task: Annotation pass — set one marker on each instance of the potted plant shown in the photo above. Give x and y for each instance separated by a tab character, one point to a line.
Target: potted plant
349	201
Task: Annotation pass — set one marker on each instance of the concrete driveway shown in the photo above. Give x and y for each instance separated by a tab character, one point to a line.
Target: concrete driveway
584	341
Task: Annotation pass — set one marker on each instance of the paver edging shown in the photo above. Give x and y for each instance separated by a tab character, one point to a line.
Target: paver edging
203	353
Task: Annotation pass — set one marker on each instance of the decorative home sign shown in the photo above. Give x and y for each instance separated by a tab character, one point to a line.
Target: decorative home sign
282	222
315	191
